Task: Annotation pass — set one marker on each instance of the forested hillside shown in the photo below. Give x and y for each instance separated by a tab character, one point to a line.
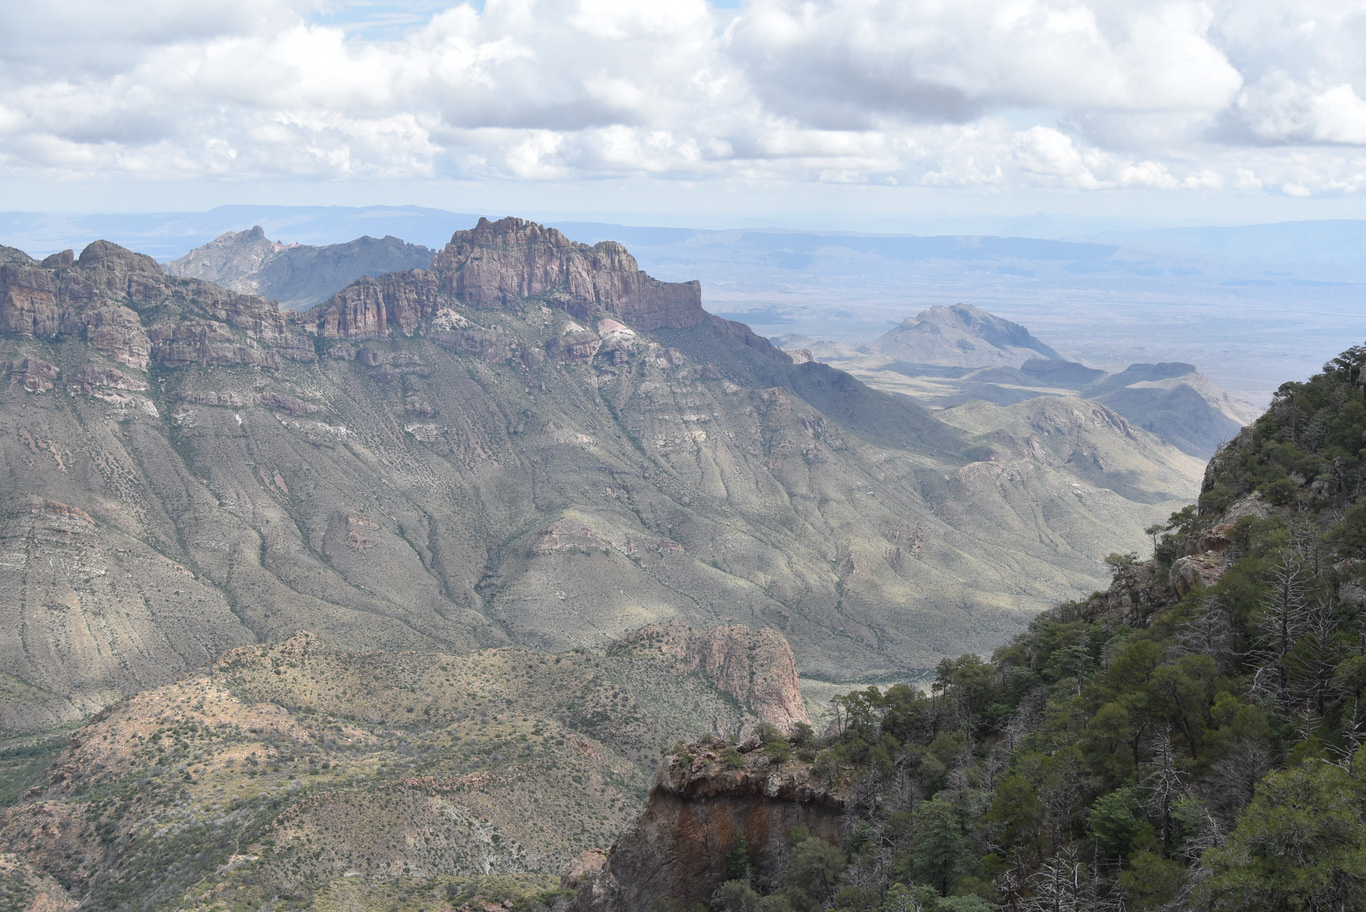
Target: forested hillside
1189	739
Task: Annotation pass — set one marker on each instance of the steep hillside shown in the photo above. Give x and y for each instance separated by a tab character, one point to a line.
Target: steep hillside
1190	738
531	442
296	275
284	772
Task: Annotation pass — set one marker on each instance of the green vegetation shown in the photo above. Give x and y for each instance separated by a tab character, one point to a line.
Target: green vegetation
1138	749
23	760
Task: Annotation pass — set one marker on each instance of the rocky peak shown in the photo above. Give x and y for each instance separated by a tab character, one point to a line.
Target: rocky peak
111	257
509	232
961	335
104	297
14	255
497	263
299	276
227	256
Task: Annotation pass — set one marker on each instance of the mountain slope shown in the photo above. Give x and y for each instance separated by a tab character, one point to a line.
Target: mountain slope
1189	738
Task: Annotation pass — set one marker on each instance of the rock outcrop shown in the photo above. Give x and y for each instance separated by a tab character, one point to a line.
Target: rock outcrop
701	802
754	666
498	263
1196	572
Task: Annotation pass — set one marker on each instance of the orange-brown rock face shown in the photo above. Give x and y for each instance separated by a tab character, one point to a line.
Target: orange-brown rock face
754	666
698	806
28	306
371	308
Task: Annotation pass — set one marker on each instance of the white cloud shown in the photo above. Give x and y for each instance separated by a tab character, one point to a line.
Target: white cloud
1280	109
1173	95
1147	174
846	61
1052	158
1204	179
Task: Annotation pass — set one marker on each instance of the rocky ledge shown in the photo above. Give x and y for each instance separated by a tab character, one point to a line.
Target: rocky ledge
703	799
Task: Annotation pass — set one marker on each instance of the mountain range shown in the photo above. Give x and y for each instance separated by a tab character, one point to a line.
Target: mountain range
530	442
946	356
393	601
1248	304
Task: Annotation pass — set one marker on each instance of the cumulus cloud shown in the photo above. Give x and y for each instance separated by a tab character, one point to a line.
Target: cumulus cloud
852	61
1279	109
1191	95
1051	157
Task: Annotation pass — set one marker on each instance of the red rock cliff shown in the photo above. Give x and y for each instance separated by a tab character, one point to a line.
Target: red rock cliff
121	304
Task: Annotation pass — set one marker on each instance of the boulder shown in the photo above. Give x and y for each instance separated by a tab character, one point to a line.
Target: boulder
1198	572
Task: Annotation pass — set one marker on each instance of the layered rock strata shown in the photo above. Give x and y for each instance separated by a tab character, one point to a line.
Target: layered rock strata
120	304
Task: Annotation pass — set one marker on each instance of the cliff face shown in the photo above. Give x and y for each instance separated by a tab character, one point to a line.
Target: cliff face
754	666
699	805
122	305
498	264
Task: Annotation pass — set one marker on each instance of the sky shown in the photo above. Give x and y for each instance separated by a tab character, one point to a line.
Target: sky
1221	112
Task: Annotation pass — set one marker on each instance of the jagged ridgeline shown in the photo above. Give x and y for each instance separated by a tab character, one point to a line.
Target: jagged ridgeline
530	442
1191	738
